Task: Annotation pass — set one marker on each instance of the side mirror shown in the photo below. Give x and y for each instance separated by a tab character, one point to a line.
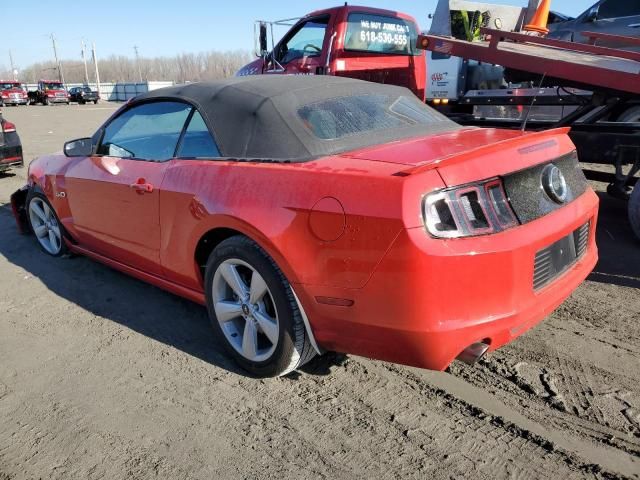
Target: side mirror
82	147
592	15
261	47
263	38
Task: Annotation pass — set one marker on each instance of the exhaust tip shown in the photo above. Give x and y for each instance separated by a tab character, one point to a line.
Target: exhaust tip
473	353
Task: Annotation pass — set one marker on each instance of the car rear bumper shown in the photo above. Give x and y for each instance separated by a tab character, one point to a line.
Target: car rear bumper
429	299
11	153
11	162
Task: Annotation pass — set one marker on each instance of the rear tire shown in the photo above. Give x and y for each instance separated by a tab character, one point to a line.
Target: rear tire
632	115
45	225
634	210
253	311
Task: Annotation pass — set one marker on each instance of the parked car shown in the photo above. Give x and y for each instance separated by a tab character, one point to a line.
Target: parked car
12	93
10	146
313	213
48	93
83	95
606	16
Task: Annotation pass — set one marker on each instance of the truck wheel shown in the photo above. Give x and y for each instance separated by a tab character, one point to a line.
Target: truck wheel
253	311
634	210
45	101
95	102
632	115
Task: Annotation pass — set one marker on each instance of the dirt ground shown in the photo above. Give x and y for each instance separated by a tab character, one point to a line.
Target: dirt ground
103	376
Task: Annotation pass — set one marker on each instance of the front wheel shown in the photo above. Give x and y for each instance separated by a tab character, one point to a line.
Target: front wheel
253	310
631	115
45	225
634	210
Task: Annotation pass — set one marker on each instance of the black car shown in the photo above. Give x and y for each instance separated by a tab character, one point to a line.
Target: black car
83	95
10	146
615	17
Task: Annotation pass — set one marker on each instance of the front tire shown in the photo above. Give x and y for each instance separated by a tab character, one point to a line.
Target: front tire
45	225
253	311
634	210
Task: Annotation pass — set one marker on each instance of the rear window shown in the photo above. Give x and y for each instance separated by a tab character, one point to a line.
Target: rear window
381	34
360	114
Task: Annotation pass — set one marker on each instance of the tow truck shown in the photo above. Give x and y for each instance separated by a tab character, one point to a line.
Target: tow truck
48	93
358	42
601	83
12	93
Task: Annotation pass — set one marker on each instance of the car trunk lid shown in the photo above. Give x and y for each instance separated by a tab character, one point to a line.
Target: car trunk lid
471	154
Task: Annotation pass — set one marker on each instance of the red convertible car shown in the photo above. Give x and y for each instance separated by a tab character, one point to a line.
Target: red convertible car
324	213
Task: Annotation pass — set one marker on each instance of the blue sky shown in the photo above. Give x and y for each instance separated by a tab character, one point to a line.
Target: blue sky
168	28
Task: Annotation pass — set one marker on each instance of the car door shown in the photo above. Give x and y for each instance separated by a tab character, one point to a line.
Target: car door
114	195
303	51
613	17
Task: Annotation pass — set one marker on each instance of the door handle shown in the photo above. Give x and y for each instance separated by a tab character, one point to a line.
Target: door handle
141	186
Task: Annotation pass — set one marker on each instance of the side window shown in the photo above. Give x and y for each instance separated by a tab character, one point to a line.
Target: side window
197	141
306	41
617	9
147	132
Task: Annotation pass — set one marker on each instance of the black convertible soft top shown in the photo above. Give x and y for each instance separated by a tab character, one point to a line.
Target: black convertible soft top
299	118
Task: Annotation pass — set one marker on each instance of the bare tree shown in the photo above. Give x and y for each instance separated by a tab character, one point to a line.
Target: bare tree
185	67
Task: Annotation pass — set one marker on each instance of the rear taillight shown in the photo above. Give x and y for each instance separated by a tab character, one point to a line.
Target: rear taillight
8	127
470	210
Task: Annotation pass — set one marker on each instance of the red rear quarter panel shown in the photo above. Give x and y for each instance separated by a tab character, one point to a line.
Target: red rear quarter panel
272	204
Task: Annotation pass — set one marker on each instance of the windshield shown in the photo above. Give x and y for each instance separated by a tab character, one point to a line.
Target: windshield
85	89
381	34
9	86
53	86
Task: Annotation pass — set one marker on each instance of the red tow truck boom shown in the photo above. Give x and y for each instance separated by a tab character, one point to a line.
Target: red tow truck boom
579	64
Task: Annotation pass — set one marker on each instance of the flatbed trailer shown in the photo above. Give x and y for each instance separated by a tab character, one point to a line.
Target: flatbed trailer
608	81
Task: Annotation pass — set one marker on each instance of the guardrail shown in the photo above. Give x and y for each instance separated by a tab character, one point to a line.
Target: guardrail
116	92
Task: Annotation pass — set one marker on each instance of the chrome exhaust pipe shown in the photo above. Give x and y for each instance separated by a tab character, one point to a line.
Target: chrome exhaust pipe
473	353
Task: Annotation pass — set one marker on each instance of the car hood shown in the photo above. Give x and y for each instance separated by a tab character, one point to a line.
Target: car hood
434	148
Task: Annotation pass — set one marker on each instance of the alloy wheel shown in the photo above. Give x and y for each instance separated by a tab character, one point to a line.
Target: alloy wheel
45	226
245	310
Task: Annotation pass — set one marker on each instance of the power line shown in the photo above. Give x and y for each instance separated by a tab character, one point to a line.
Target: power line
135	49
55	54
84	60
13	68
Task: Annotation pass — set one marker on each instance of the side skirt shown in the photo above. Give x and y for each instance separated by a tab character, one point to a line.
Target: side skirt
193	295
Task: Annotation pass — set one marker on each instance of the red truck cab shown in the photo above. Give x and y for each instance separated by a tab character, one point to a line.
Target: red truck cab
49	92
12	93
357	42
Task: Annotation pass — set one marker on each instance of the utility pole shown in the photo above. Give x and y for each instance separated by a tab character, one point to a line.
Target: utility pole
135	49
95	64
84	60
58	64
13	67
